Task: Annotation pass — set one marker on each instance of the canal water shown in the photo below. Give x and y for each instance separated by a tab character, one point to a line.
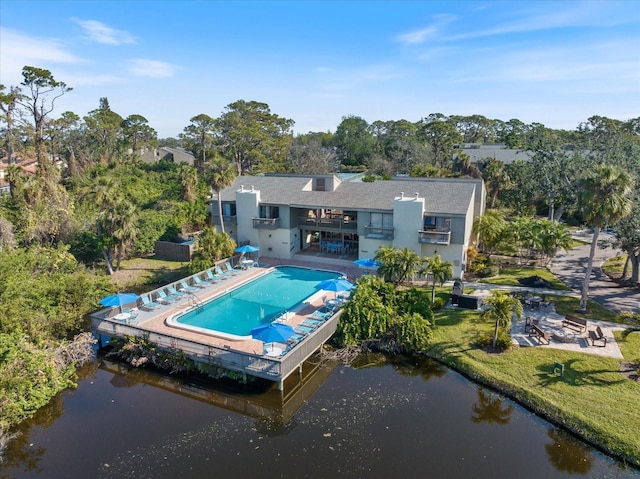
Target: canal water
374	420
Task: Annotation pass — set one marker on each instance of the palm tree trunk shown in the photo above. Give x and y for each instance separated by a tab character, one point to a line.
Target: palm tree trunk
220	212
108	262
495	334
587	276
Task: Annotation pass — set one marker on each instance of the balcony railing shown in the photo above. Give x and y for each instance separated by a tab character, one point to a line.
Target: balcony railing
228	220
378	232
434	237
266	223
327	224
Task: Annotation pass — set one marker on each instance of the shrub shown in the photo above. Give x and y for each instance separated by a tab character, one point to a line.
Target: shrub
488	271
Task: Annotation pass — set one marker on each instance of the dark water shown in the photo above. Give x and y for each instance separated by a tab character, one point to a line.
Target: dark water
376	421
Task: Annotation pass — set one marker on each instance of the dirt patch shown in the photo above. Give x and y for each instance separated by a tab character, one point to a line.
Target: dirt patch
630	371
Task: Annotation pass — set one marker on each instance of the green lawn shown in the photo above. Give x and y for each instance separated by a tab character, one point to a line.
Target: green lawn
143	274
510	277
592	398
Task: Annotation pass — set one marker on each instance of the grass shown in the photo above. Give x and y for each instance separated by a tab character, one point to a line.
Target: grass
614	265
142	274
510	277
592	398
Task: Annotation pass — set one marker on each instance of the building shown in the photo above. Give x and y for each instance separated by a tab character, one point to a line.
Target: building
174	155
287	215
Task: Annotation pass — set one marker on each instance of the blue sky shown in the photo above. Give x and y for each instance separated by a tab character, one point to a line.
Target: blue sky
551	62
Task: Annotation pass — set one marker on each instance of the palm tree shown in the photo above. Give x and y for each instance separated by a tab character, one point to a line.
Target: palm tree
501	308
189	181
125	227
397	265
440	270
220	175
489	228
605	199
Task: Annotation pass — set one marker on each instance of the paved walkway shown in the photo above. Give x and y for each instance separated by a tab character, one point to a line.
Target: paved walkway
569	267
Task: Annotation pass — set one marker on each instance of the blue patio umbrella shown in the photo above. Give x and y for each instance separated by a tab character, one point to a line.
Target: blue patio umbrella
247	248
273	332
119	299
367	263
335	285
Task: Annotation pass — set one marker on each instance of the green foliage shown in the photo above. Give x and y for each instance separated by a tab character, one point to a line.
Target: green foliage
369	178
60	293
396	265
29	377
212	247
378	314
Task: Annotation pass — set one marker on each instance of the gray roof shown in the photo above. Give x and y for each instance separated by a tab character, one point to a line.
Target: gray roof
441	197
506	155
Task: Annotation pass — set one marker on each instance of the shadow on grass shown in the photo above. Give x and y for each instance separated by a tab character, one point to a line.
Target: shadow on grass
572	377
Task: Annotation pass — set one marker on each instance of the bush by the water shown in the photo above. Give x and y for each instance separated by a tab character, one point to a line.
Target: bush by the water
387	319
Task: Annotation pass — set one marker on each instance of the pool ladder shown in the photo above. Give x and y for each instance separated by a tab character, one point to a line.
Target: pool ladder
195	301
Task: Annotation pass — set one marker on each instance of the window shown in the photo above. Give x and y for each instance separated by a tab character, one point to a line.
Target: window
228	209
269	212
320	184
382	220
436	223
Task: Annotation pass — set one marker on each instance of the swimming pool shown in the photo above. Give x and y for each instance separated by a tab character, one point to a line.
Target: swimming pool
235	313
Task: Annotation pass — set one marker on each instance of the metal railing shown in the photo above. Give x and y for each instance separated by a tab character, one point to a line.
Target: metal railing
228	219
266	223
434	237
327	224
253	364
379	232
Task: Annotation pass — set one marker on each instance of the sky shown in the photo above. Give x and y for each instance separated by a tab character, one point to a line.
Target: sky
551	62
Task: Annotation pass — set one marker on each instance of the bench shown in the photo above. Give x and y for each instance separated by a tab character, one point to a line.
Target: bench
578	324
597	335
539	334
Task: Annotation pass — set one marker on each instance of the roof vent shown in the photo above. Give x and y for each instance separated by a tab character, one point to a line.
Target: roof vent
417	195
252	188
241	187
402	195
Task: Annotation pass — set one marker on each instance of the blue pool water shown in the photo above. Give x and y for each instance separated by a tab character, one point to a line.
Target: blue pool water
257	302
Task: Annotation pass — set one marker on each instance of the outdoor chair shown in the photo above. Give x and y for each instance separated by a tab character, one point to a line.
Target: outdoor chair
200	283
174	292
212	278
164	297
222	274
230	268
186	288
148	303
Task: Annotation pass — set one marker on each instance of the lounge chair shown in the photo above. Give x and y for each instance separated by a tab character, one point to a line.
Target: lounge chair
165	298
312	323
303	329
200	283
319	315
175	293
147	303
222	274
211	278
187	288
230	268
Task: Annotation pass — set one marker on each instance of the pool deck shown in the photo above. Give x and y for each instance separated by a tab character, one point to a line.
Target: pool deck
246	355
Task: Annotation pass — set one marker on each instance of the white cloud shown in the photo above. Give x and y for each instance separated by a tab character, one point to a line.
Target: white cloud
150	68
101	33
18	50
420	36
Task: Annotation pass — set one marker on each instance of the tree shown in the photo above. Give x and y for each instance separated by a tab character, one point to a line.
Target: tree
489	227
495	179
138	134
500	309
628	240
104	128
43	91
219	175
123	218
354	141
255	139
441	271
604	199
8	103
212	247
441	136
397	265
199	135
311	154
188	181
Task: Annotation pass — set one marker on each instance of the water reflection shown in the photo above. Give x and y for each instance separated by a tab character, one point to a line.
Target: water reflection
567	453
490	408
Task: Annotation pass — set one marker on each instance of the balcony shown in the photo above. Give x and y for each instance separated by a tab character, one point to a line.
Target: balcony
228	220
434	237
266	223
328	224
378	232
